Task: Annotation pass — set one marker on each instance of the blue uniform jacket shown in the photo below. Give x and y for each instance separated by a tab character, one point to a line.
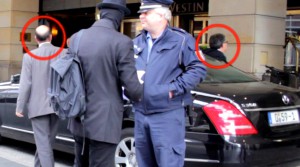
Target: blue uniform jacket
172	66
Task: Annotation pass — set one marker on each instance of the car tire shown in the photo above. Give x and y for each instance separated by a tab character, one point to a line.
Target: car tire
125	151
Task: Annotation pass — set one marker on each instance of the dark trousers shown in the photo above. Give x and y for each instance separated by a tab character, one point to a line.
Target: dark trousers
159	139
95	153
45	129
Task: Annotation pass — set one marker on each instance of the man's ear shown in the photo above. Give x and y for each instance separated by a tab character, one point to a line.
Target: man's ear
36	39
223	45
50	37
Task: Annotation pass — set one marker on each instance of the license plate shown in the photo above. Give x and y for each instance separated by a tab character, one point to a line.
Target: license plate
283	117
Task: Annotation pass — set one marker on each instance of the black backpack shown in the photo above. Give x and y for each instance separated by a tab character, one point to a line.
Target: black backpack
67	89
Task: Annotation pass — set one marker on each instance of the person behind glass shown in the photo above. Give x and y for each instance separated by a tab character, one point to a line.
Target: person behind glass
107	59
217	46
34	82
169	69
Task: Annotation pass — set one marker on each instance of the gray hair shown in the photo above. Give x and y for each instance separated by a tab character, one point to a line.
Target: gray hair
166	12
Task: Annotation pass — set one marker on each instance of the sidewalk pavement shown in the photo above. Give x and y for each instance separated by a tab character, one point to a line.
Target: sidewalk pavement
5	162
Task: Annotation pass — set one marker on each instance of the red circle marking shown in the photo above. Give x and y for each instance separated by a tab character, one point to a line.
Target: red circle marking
238	43
39	57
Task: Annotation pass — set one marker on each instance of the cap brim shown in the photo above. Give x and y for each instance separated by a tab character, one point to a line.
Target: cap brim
144	10
150	6
113	6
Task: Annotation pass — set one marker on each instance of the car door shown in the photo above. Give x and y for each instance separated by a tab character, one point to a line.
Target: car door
63	130
2	105
202	141
10	120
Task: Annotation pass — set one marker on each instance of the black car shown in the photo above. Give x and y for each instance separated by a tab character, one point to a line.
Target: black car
235	120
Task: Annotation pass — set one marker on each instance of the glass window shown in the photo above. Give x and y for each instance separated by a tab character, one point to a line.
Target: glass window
199	24
293	24
131	27
225	75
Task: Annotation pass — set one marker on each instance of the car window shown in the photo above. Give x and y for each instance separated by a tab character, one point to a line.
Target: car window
226	75
15	79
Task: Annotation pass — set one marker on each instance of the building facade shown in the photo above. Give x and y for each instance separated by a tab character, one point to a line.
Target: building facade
261	26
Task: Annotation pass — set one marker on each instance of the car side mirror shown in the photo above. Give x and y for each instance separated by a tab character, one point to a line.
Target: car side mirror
15	79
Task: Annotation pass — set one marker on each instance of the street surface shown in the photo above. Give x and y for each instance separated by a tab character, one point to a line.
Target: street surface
20	154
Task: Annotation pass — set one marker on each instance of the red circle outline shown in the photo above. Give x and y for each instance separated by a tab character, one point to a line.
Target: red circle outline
24	44
238	49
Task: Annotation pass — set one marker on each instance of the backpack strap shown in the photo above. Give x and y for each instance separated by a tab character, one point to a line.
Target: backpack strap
76	50
77	40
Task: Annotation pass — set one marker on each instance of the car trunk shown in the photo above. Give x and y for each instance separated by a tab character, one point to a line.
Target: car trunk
272	109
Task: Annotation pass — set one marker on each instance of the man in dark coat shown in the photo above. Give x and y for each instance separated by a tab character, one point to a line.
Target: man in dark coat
108	64
218	45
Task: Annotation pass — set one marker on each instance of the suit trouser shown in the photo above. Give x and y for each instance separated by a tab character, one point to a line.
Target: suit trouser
95	153
45	129
159	138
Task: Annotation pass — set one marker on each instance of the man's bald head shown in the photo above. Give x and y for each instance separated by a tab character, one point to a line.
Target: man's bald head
42	33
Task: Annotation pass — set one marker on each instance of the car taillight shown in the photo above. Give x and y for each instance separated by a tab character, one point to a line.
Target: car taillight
228	120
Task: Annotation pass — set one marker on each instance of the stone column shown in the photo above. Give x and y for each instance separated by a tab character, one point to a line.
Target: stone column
13	16
260	25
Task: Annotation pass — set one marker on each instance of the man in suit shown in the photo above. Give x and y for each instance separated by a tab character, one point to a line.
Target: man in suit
108	64
35	80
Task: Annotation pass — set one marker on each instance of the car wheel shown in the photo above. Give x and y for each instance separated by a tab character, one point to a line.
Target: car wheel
125	152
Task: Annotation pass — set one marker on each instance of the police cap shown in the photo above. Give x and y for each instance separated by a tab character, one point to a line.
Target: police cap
152	4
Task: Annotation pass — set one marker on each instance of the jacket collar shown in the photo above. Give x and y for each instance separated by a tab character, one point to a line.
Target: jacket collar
104	23
164	35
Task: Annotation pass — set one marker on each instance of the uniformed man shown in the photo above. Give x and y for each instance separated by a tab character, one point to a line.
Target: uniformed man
169	69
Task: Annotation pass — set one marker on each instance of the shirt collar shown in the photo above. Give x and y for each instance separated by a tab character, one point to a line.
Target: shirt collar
43	43
149	36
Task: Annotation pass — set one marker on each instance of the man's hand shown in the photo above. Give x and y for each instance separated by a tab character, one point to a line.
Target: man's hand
19	114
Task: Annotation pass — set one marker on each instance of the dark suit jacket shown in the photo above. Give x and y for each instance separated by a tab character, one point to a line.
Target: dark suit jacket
215	53
108	64
35	81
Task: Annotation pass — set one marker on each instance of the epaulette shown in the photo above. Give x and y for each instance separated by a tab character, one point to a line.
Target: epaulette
188	36
178	30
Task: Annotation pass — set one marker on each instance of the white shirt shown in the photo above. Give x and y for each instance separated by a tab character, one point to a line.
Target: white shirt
43	43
